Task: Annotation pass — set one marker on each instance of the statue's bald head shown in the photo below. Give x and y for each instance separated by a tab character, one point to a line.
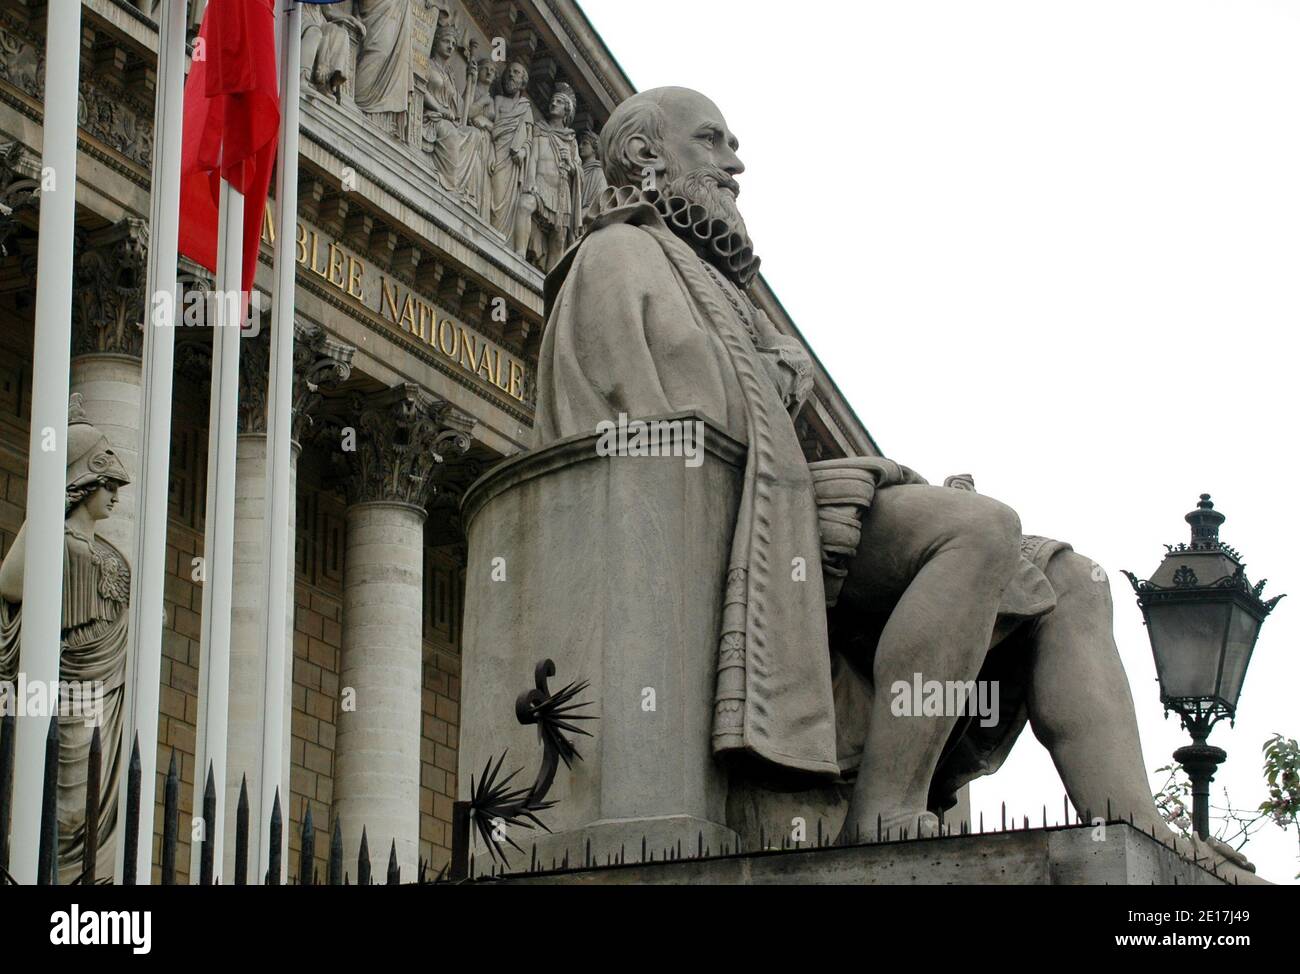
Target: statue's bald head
655	129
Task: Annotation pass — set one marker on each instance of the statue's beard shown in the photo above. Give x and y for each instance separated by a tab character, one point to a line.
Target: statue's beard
705	187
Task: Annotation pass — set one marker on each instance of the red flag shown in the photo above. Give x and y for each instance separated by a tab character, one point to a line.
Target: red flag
232	121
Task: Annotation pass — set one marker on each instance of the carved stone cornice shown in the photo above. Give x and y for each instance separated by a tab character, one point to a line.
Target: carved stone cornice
400	438
110	273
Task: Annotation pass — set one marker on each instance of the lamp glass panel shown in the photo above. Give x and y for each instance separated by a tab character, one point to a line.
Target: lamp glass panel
1242	633
1186	638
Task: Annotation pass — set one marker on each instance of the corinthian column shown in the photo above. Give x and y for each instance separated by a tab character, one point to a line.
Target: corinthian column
400	437
319	363
107	342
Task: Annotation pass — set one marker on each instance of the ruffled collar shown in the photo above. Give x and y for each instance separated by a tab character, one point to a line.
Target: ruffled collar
712	239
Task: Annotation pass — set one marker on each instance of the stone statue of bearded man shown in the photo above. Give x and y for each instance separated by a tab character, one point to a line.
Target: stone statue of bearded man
648	315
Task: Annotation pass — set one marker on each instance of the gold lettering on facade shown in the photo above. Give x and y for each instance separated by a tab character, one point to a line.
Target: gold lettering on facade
402	307
355	269
389	298
468	343
335	265
446	326
321	272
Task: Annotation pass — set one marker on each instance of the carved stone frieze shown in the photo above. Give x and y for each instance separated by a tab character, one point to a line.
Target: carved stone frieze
114	101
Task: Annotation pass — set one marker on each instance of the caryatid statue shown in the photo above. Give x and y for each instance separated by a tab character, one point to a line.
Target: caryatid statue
459	150
92	660
508	169
649	315
556	179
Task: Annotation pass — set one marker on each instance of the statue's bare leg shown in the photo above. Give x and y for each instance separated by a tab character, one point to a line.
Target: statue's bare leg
937	560
523	229
1080	706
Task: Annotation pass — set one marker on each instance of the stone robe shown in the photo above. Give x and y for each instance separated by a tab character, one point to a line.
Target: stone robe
384	78
482	117
593	183
333	43
96	588
512	132
459	152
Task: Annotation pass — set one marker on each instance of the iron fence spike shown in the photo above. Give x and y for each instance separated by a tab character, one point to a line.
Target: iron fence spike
208	848
241	834
171	812
363	860
47	857
275	842
8	735
131	836
307	853
91	828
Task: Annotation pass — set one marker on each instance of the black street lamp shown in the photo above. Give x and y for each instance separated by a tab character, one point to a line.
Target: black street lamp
1203	618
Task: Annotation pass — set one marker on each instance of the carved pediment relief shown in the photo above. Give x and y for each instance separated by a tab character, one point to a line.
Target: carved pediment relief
471	93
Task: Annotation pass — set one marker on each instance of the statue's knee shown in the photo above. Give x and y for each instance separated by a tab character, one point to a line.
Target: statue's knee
1081	578
993	530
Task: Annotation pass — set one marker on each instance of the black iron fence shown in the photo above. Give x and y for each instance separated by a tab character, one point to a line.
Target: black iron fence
493	801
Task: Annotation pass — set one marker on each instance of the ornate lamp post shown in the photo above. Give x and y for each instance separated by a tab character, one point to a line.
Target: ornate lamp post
1203	618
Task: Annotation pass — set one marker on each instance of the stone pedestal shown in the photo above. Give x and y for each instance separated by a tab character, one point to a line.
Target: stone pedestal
377	757
595	562
110	386
1071	856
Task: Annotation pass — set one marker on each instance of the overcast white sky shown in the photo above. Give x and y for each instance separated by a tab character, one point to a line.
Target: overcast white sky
1054	244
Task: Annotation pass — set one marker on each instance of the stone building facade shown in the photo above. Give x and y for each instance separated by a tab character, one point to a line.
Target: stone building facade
422	243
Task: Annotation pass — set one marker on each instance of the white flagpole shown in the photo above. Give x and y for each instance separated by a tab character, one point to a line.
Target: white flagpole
149	544
47	458
219	526
279	562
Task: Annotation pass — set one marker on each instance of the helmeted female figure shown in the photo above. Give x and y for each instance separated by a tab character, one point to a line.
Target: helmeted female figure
92	655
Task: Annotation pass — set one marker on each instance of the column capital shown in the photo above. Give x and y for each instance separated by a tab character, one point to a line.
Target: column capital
110	274
399	438
319	362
